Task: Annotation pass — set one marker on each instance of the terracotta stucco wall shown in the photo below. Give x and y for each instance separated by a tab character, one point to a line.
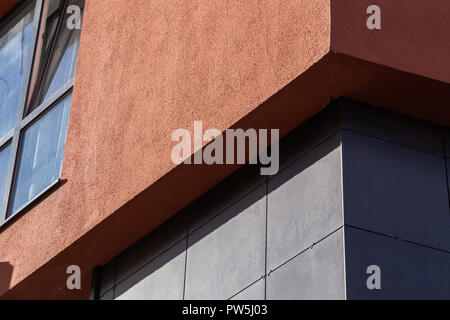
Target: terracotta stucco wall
413	37
149	67
146	68
6	5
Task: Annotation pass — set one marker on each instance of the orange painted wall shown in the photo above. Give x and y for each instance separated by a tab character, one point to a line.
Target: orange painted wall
414	35
149	67
146	68
6	5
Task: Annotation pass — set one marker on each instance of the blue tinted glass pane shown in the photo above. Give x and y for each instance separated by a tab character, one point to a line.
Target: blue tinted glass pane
4	159
14	45
41	155
63	61
65	70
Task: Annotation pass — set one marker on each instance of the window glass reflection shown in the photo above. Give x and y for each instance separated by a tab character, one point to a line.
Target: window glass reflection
57	66
4	160
41	155
15	41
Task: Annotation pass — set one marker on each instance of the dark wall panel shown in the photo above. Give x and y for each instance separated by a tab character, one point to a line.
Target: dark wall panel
407	271
395	190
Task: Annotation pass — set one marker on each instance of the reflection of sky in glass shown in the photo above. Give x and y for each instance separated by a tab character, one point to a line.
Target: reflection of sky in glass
14	46
41	155
4	159
65	71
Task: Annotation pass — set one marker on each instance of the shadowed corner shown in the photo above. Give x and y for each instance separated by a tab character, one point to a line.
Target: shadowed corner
201	224
6	270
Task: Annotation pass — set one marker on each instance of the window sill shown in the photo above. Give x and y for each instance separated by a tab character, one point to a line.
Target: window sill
32	203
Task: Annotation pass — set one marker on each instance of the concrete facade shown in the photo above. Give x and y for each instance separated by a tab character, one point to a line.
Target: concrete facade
358	186
146	68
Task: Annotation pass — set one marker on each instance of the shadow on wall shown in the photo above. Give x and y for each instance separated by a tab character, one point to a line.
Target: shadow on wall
230	214
6	270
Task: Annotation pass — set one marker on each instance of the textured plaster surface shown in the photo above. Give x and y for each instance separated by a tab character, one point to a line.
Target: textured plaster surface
413	37
6	5
146	68
149	67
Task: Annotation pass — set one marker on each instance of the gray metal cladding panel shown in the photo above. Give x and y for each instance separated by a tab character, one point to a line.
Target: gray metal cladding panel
151	246
407	271
391	126
447	141
224	195
383	172
227	254
161	279
255	292
107	276
304	202
317	273
109	295
448	173
395	190
309	135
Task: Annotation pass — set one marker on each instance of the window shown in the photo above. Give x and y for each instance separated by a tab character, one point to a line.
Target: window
38	54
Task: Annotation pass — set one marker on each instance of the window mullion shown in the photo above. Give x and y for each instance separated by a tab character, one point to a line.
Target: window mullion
48	103
17	129
6	138
38	90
